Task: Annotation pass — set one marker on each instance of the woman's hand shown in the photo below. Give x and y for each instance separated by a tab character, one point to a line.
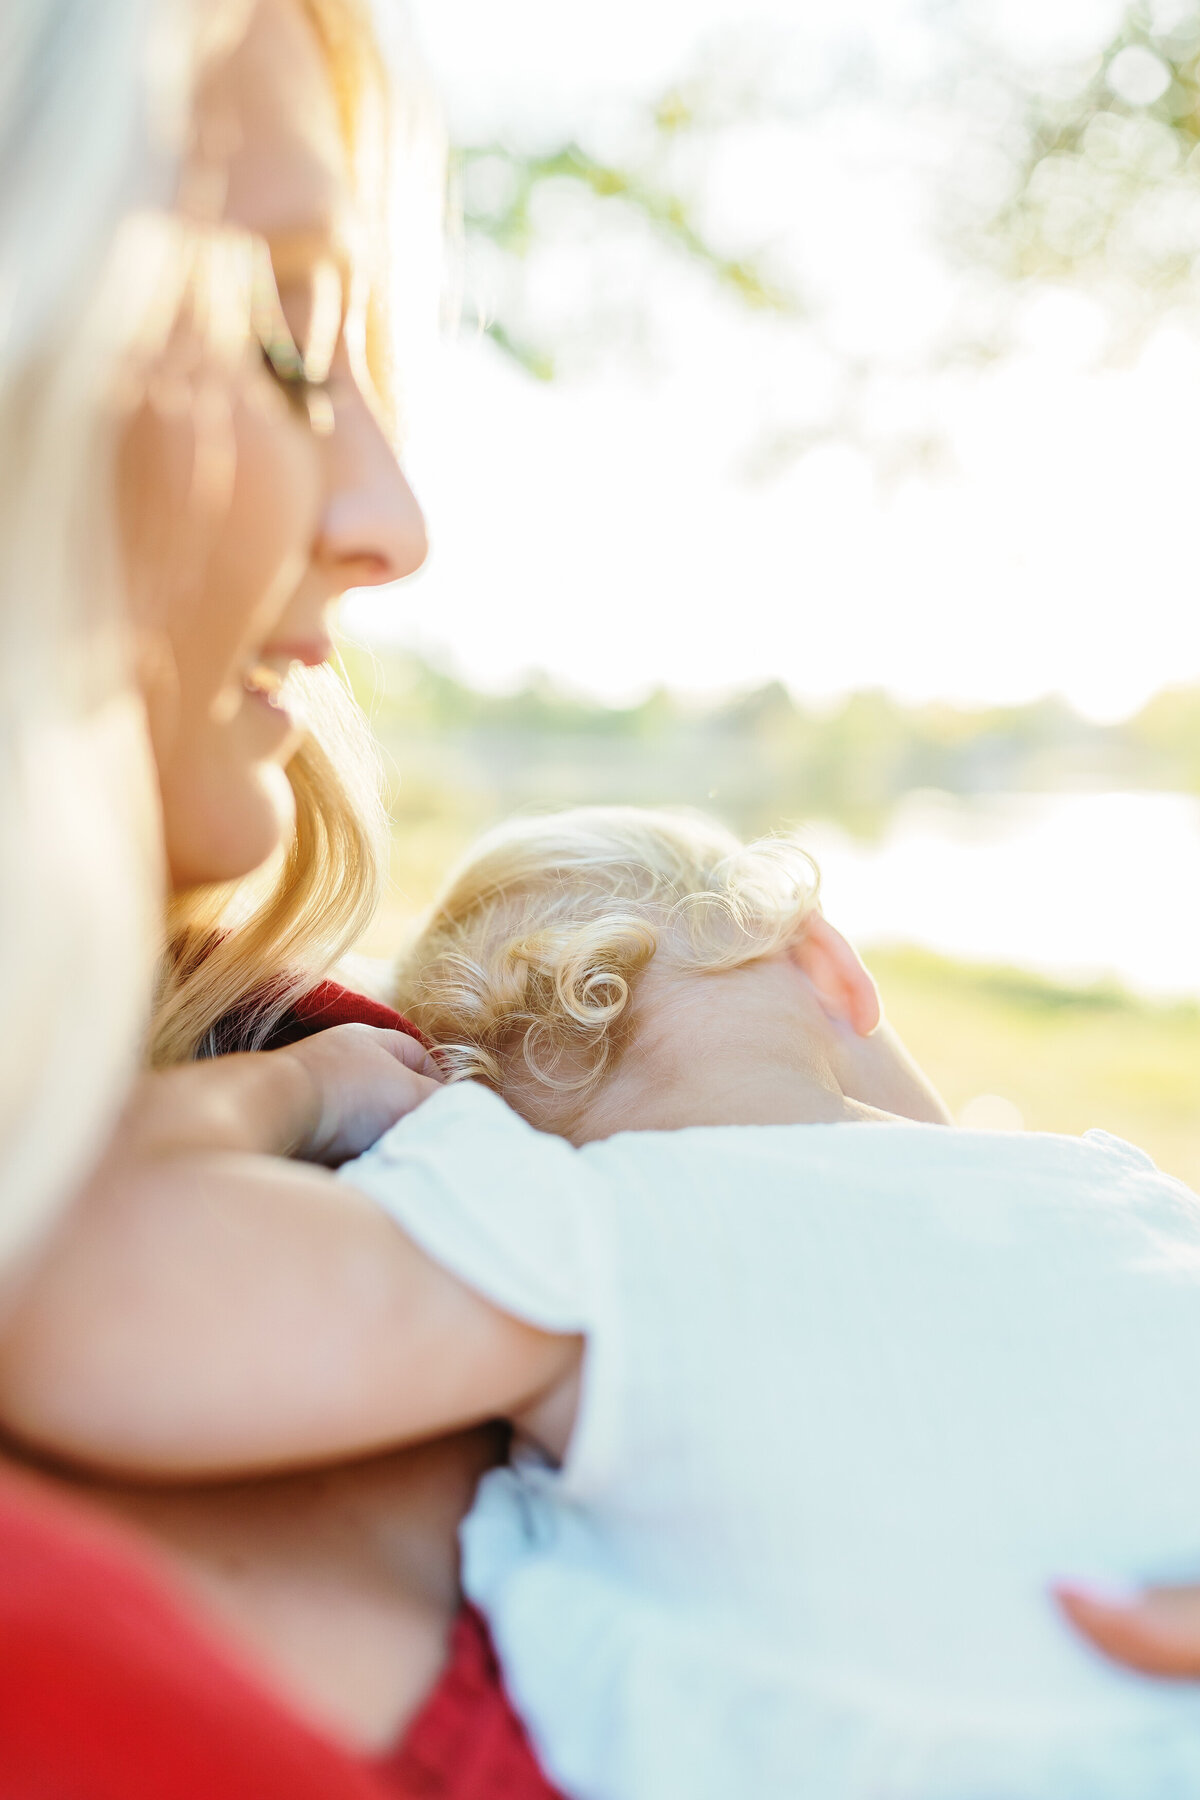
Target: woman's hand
1156	1632
362	1078
322	1100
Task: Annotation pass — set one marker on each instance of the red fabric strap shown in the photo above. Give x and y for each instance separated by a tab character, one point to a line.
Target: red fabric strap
329	1003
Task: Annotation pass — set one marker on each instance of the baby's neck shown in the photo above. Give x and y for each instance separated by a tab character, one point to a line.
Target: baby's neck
749	1046
713	1094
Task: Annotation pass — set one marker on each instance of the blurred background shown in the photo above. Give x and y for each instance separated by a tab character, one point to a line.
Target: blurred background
818	442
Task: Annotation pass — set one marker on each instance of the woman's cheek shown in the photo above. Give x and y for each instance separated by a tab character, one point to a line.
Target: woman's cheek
259	535
275	515
220	511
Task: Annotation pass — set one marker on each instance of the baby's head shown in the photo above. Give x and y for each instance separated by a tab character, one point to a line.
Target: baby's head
560	945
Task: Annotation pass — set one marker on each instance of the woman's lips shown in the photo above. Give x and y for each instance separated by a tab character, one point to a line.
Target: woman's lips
266	690
266	682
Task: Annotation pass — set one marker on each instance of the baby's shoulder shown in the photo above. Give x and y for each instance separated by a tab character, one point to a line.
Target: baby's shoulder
884	1161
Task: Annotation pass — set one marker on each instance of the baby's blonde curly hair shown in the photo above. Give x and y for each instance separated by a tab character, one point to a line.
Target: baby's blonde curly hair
525	972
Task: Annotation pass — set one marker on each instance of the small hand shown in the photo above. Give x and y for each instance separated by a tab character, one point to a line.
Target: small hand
1156	1631
363	1079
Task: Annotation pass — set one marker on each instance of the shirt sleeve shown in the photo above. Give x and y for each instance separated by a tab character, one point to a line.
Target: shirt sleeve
504	1207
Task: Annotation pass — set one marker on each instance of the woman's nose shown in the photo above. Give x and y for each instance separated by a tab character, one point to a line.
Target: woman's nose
372	530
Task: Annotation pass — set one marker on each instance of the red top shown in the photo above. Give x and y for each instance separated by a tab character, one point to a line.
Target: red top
466	1743
109	1690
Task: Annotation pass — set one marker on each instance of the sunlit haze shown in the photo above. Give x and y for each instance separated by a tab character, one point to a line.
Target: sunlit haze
627	524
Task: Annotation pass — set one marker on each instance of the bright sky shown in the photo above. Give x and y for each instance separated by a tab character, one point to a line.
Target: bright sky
607	527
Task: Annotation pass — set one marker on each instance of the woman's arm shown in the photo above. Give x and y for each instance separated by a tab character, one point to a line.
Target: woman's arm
207	1311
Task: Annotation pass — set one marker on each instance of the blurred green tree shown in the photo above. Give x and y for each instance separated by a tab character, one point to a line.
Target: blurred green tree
1096	164
512	198
1084	169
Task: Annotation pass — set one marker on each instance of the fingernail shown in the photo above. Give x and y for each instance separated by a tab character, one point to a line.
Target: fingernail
1099	1593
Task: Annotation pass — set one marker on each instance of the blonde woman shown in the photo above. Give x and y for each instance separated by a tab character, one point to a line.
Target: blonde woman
252	479
106	1686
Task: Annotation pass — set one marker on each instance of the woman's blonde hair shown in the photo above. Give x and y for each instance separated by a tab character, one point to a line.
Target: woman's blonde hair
525	973
94	105
247	950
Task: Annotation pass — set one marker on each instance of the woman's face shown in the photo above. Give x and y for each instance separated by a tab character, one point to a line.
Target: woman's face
251	501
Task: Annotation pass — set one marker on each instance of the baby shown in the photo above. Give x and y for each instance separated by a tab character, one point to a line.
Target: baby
813	1396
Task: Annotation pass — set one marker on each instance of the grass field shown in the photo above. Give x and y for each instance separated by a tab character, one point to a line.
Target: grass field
1067	1058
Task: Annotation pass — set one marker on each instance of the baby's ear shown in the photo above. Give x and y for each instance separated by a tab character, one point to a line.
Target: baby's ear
844	986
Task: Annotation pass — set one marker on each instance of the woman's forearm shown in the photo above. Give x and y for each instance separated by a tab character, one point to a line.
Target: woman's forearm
215	1314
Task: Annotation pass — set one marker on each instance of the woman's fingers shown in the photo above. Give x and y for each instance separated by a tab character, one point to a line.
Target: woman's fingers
363	1078
1156	1631
412	1053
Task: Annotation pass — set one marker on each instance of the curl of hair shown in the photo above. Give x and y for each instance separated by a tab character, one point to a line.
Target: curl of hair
526	972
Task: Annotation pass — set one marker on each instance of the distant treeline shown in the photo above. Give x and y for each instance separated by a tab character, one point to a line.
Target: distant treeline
759	759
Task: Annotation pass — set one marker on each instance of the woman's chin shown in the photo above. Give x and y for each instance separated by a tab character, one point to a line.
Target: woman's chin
230	828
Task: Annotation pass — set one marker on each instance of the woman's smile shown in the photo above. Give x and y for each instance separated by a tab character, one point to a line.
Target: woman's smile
265	690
